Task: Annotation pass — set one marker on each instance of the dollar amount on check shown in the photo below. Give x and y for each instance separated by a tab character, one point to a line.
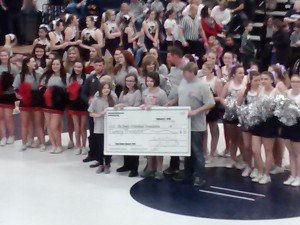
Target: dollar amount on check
158	131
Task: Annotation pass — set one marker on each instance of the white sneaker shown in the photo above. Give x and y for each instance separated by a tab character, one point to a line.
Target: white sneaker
77	151
230	164
42	148
296	182
10	140
246	171
35	144
48	142
277	170
71	145
257	178
254	173
224	154
3	141
29	143
289	181
209	160
23	148
53	150
16	110
59	150
265	179
84	151
240	165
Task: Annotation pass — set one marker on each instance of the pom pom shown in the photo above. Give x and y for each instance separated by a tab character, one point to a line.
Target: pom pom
89	69
48	97
73	90
25	93
230	108
286	110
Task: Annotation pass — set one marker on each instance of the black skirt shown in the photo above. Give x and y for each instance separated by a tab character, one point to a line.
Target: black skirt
292	133
8	100
268	129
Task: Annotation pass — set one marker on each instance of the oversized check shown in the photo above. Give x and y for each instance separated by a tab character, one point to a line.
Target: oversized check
160	131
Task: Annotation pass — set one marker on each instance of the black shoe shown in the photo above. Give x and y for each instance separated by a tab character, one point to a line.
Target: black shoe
179	177
170	171
88	159
199	182
123	169
133	173
97	164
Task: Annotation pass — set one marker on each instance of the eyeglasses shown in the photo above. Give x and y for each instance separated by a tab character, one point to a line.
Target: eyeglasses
130	81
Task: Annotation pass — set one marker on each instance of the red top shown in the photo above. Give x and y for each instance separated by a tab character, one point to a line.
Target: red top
211	31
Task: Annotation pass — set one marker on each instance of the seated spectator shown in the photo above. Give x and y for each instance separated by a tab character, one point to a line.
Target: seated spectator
265	49
221	13
124	10
157	6
177	6
293	15
76	7
209	25
185	12
231	46
94	8
137	9
295	36
238	15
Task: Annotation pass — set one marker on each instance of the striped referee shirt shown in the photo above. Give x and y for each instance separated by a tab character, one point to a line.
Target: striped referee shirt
191	28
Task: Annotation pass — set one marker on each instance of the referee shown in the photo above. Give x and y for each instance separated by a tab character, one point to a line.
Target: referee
191	36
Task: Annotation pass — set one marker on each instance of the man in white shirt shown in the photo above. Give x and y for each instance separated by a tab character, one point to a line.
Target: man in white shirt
186	10
221	13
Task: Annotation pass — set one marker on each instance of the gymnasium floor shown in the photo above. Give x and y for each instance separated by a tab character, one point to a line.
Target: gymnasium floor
38	188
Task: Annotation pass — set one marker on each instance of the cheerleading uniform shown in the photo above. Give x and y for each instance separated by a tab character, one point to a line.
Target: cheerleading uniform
250	98
59	40
151	26
213	114
126	44
233	90
7	93
29	91
269	128
55	96
112	44
89	39
45	43
77	104
292	132
73	37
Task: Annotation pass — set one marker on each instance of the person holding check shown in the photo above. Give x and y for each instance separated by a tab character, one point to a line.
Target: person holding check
195	93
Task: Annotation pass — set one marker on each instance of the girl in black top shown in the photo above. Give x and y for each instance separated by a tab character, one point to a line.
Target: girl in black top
56	38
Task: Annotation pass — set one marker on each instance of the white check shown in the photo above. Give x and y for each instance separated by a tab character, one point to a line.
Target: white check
160	131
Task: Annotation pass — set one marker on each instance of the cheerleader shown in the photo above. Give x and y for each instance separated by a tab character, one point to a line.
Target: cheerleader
77	107
26	84
151	31
130	96
72	30
265	133
153	96
228	60
282	82
40	57
111	31
292	137
90	36
5	63
57	43
125	66
231	90
43	38
215	85
130	34
247	96
7	104
100	102
149	65
54	82
212	58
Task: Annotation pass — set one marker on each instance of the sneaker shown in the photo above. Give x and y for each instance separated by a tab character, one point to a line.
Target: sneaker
23	148
84	151
16	110
123	169
296	182
289	181
254	173
29	143
77	151
277	170
199	182
224	154
71	145
159	175
148	173
265	179
246	171
240	165
107	169
53	150
257	178
3	141
230	164
42	148
100	169
10	140
133	173
35	144
59	150
170	171
210	160
48	142
88	159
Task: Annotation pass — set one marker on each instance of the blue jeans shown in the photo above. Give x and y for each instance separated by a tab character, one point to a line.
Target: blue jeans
72	9
195	164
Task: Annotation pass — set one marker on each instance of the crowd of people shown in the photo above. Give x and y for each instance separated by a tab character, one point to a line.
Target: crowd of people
163	54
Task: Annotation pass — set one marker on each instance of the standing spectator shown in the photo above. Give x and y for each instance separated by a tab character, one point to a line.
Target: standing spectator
293	15
221	13
209	25
247	47
190	30
281	44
